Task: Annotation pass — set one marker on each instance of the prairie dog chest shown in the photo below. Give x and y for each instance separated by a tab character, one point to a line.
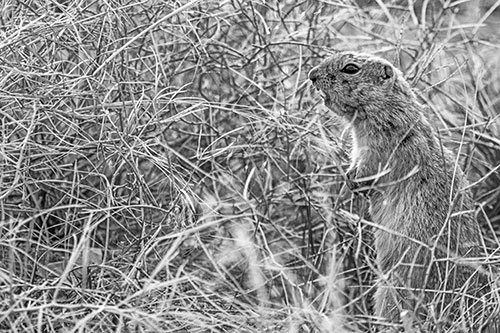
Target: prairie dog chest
359	150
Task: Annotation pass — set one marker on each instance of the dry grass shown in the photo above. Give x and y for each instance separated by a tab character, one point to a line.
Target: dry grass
164	167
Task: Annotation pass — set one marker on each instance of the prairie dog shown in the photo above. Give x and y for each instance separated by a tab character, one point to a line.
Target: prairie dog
428	242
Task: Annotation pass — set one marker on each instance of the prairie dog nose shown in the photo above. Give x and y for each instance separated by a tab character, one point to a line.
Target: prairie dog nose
313	74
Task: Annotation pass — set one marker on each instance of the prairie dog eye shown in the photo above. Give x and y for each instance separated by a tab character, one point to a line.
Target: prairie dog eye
350	69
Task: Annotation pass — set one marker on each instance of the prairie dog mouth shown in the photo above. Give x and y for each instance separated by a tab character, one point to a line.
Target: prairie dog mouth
333	103
326	98
322	93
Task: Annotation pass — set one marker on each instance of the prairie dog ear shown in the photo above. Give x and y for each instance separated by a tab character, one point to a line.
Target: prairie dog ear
387	72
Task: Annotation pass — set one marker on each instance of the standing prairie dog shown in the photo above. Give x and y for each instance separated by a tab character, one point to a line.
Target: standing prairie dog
428	243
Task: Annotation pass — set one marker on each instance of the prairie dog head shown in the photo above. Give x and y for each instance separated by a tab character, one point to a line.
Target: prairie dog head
353	84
